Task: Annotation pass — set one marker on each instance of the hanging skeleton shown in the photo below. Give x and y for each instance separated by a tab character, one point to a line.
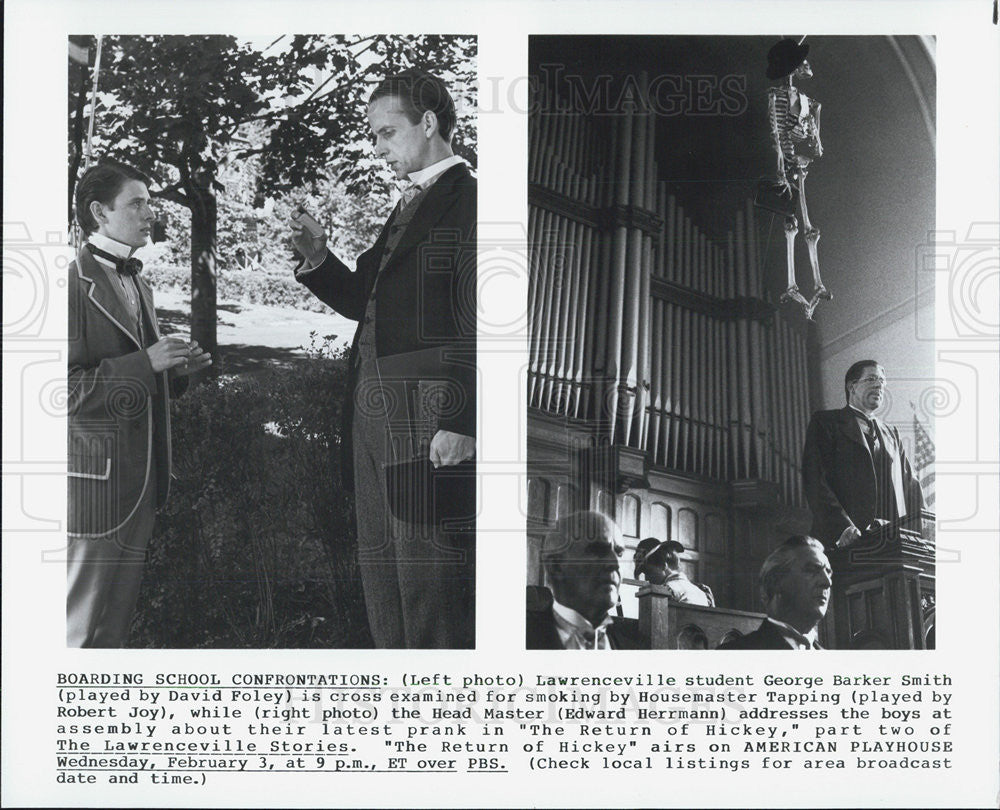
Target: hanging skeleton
794	119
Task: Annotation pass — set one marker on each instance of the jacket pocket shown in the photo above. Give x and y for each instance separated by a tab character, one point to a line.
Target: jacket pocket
90	454
98	469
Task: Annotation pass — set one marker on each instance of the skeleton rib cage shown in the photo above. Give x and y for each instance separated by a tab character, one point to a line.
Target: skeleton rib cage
798	131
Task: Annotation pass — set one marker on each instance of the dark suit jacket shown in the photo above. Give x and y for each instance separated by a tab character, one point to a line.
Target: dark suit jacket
426	296
765	637
839	475
119	414
541	632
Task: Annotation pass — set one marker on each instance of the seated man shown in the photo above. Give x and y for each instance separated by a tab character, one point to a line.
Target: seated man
580	556
795	583
660	562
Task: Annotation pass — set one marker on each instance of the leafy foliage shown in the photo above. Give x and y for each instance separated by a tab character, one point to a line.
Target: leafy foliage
255	258
186	108
326	135
255	547
178	107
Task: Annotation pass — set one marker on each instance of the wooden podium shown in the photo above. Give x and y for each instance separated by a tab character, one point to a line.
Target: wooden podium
883	588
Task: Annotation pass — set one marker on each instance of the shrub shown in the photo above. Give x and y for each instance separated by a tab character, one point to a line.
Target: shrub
256	545
241	284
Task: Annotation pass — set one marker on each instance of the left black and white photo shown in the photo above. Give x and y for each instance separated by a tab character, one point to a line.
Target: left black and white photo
272	341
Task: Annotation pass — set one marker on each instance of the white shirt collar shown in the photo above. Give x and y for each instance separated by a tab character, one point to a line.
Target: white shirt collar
862	414
570	624
575	618
112	246
426	176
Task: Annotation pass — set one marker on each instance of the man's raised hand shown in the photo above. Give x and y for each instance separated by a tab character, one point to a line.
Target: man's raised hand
311	248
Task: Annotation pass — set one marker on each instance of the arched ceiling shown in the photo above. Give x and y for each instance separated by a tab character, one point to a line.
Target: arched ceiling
872	192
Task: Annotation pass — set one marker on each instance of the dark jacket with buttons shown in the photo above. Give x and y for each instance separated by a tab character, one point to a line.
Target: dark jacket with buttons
425	298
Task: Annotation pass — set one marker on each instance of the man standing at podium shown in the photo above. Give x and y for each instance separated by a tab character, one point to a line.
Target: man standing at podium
855	472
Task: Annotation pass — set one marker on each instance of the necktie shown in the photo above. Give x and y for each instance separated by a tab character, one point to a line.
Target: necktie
872	437
409	193
126	267
596	639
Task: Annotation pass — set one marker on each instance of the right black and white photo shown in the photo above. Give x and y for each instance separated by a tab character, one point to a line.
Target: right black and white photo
731	382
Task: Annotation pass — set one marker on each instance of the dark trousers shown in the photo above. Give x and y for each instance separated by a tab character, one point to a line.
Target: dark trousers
103	576
419	583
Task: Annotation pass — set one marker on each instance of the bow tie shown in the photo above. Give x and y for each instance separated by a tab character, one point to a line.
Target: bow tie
127	267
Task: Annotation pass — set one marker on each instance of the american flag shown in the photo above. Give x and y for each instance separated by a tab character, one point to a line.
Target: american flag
923	460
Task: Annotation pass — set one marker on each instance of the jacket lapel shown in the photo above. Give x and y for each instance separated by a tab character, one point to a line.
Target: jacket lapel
891	449
850	428
371	259
775	640
378	248
148	310
103	295
432	207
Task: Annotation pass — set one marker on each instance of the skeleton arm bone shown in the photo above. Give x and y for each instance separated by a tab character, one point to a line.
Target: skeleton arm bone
816	106
772	114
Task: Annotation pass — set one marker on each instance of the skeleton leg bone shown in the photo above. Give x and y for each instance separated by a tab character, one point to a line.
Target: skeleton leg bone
791	231
820	292
792	293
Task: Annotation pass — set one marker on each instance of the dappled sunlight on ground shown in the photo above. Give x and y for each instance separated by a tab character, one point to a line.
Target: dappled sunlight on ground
253	336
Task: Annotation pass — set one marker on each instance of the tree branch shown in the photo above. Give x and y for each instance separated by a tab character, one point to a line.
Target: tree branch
312	98
173	193
247	153
273	43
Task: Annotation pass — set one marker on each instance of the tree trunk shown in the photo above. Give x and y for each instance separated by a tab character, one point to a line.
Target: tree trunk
76	137
204	217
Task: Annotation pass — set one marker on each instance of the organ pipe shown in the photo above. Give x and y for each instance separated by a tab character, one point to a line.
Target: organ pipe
646	324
